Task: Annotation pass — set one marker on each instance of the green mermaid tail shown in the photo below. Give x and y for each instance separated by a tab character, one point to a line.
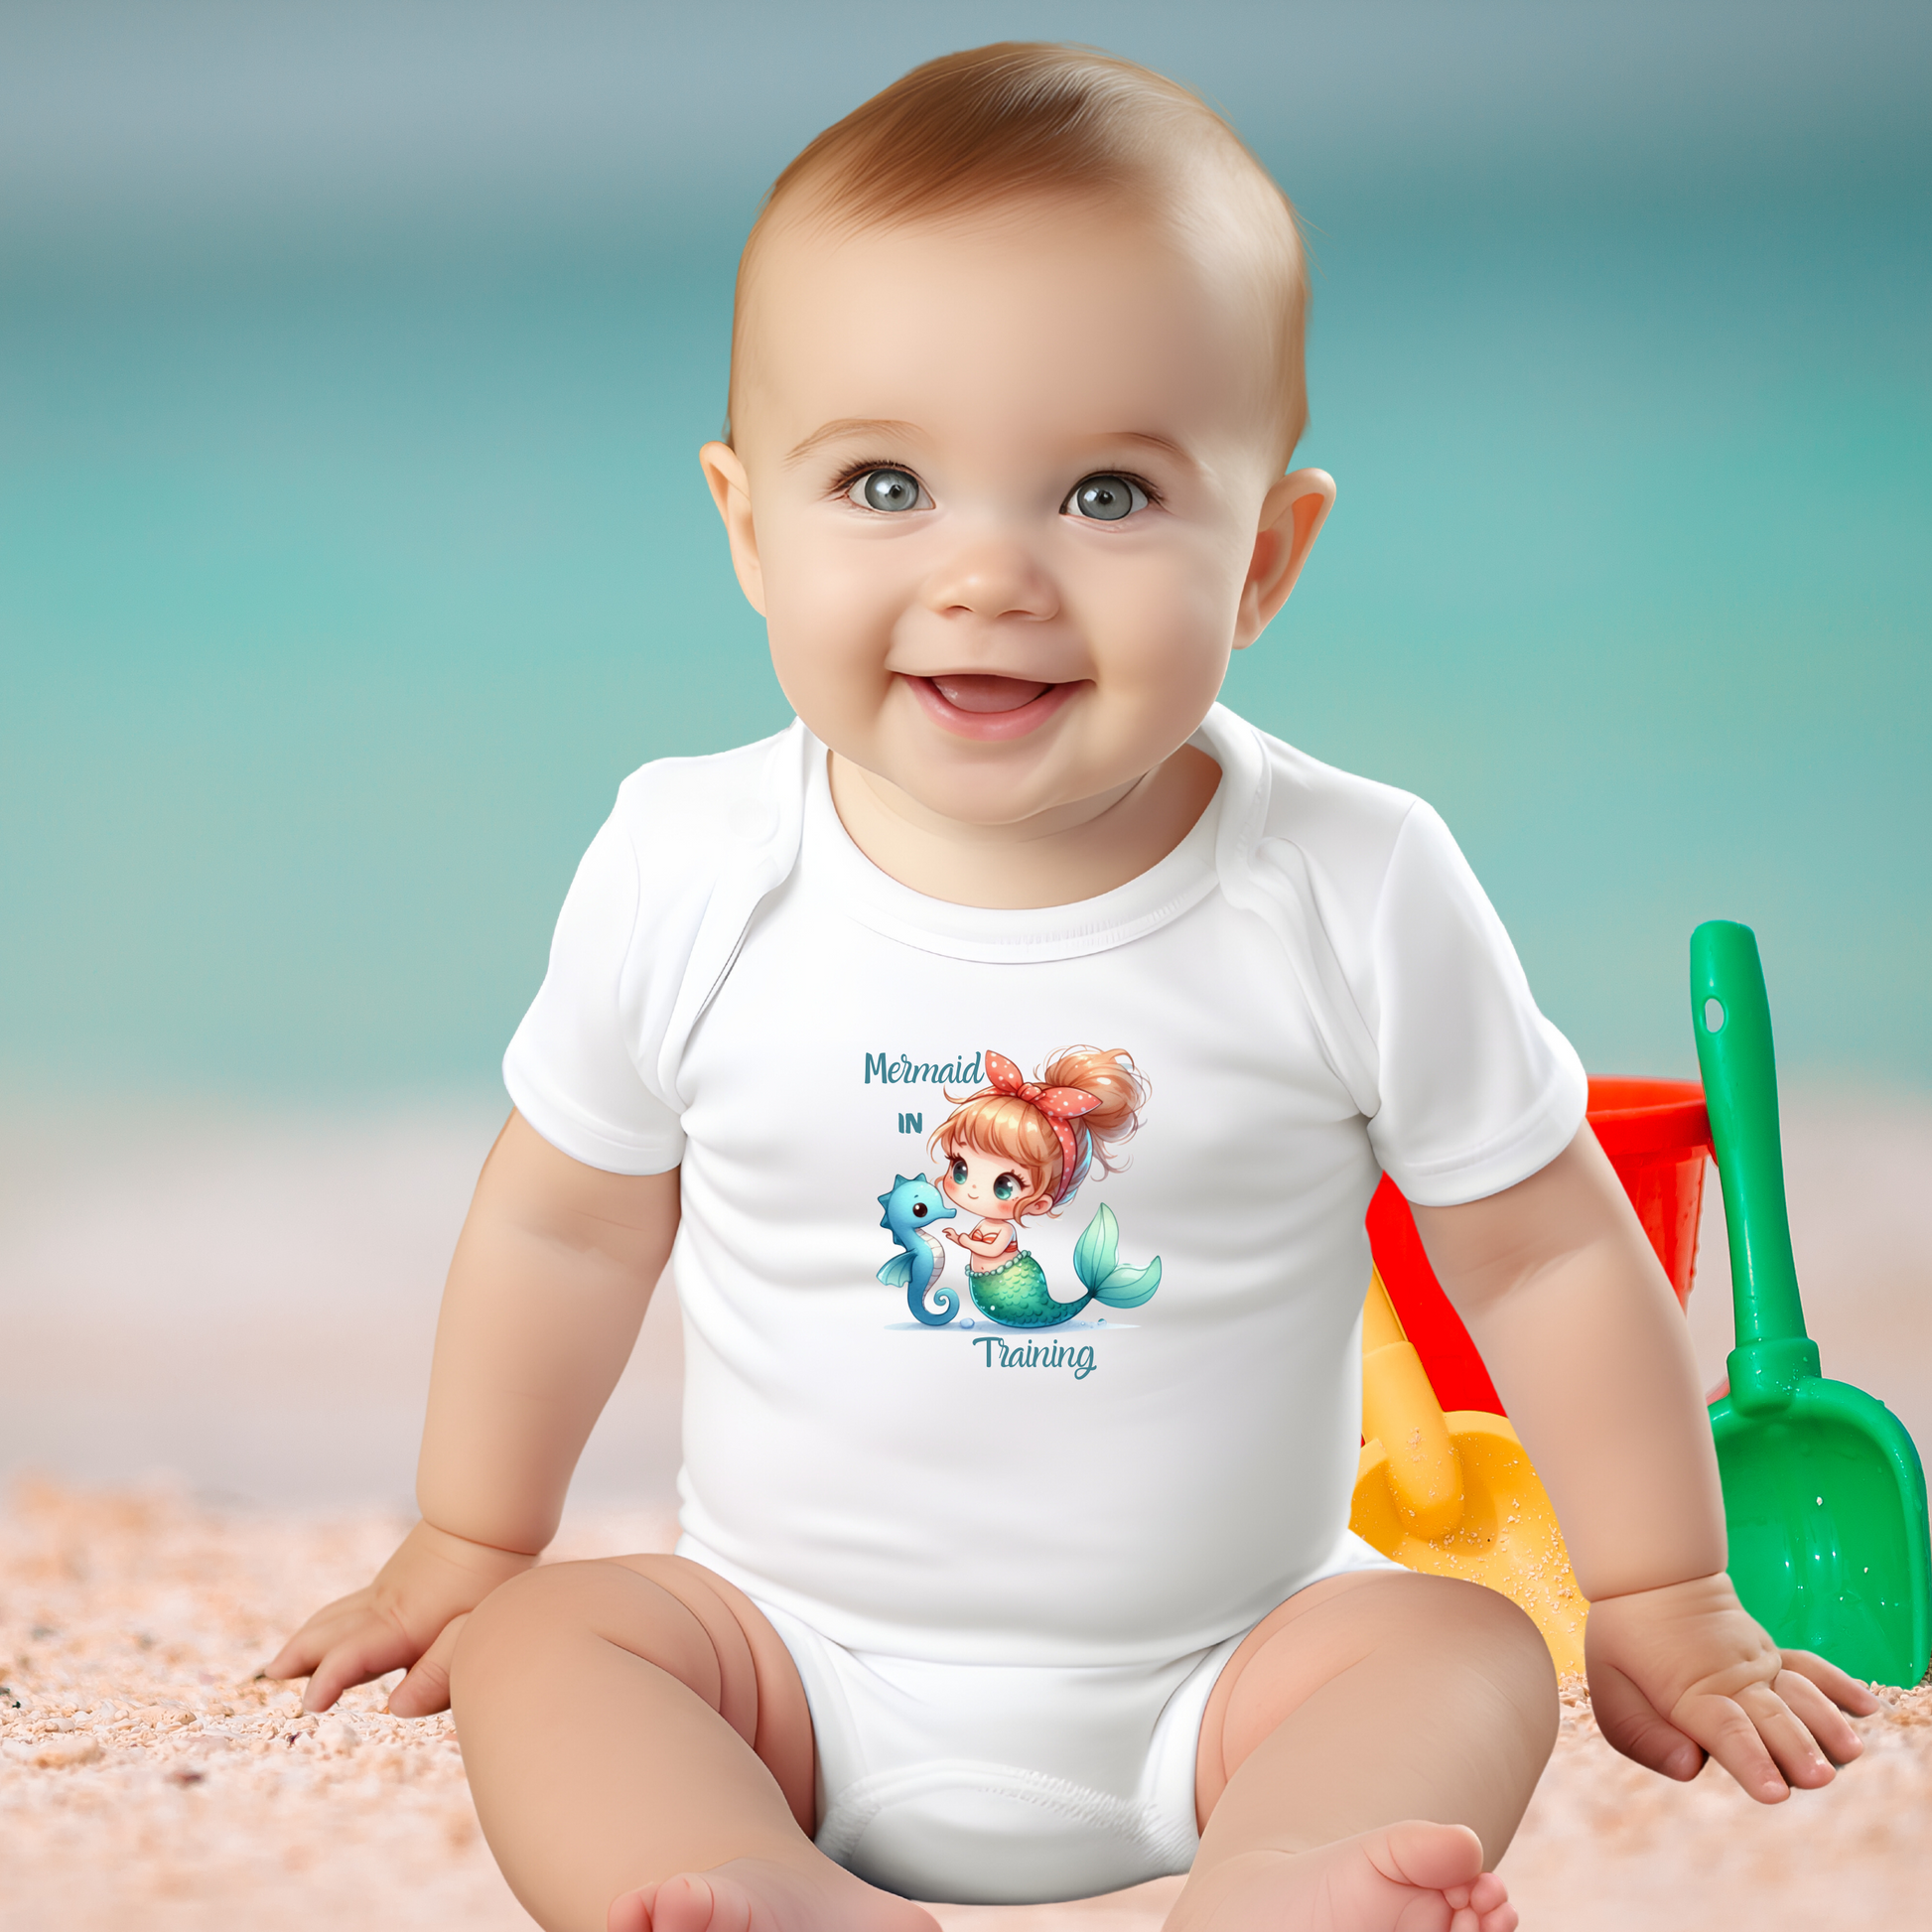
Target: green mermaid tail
1014	1293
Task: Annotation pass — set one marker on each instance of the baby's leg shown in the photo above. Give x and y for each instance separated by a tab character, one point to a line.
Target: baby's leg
1366	1757
640	1753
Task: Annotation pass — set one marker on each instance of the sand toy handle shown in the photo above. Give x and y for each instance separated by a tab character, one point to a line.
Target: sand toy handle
1732	1018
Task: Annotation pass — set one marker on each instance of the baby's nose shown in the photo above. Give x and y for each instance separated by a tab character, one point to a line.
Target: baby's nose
993	576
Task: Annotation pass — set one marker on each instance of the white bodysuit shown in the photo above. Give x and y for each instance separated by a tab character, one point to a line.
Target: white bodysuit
1010	1560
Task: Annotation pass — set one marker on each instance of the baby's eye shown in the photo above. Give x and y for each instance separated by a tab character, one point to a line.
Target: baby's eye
888	490
1006	1187
1105	498
959	1174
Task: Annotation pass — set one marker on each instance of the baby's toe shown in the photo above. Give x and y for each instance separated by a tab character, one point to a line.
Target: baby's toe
1488	1892
632	1912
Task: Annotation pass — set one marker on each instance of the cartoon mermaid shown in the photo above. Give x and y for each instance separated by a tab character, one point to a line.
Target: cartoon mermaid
1020	1148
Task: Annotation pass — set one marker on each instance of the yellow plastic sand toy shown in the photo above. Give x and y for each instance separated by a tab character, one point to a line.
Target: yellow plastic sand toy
1455	1495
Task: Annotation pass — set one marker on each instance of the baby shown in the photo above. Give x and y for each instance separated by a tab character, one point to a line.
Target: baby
1041	1585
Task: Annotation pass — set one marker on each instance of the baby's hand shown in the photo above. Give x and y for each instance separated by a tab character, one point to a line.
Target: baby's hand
410	1615
1683	1671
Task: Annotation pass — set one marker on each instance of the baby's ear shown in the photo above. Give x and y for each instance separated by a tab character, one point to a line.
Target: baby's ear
1292	515
731	490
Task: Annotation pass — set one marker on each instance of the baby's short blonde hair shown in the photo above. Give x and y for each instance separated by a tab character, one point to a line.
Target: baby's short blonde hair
1024	120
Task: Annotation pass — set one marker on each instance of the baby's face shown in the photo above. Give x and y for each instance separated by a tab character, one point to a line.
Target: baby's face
997	489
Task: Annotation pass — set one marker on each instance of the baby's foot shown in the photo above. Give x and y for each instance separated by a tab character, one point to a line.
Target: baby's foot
1407	1877
762	1895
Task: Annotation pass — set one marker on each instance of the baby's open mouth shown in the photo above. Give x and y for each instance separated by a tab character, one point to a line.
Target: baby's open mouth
989	708
981	691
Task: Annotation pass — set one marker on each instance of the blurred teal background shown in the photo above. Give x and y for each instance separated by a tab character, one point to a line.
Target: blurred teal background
354	359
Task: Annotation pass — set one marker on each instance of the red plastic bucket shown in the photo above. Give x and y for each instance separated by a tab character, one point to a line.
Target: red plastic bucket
1658	1138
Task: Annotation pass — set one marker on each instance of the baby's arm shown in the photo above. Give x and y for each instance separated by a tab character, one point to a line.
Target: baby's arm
1563	1296
547	1291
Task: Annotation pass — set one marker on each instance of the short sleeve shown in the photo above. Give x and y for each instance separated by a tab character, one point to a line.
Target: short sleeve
572	1068
1478	1090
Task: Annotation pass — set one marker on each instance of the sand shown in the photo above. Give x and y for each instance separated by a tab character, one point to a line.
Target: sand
148	1778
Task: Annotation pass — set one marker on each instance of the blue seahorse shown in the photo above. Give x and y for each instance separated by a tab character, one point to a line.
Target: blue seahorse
1014	1293
911	1206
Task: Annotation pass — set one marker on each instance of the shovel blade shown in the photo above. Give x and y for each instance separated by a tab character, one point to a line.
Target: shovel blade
1506	1538
1826	1510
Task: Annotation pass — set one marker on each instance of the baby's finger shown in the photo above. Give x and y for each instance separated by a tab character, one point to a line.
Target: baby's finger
370	1652
1632	1725
1842	1689
426	1690
312	1642
1787	1738
296	1658
1821	1717
1721	1725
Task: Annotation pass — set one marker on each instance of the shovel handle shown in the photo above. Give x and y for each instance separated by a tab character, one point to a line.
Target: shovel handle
1732	1018
1399	1411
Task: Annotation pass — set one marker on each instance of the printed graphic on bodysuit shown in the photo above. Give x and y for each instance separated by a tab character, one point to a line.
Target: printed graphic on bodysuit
1016	1150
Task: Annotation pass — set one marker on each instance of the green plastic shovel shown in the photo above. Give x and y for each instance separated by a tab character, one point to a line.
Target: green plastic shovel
1824	1491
